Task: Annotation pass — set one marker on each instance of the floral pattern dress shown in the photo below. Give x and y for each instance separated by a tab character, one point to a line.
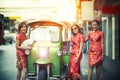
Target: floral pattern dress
95	54
73	67
21	56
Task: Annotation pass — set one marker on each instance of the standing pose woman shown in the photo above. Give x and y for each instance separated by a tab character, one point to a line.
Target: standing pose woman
20	51
76	53
95	55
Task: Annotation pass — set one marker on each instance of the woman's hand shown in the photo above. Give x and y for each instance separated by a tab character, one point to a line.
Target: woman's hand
29	47
76	59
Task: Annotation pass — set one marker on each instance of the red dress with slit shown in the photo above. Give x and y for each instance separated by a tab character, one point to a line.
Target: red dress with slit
21	56
74	67
95	54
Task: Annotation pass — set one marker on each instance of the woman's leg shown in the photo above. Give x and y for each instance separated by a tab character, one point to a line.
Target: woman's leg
98	69
90	71
80	77
24	72
18	74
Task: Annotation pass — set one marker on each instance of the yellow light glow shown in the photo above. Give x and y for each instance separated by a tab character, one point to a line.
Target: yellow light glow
43	52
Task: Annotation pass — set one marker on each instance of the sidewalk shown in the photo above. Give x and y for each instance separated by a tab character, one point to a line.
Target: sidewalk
110	69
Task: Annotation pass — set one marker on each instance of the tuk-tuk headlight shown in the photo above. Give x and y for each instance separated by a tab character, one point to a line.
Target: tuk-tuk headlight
59	53
43	52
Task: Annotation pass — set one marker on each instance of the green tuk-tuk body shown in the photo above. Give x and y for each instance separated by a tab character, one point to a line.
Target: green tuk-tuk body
53	43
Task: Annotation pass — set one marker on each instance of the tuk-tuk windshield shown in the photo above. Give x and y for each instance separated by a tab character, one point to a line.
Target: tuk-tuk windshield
49	33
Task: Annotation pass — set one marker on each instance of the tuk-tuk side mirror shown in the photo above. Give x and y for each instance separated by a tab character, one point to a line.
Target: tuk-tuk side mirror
59	52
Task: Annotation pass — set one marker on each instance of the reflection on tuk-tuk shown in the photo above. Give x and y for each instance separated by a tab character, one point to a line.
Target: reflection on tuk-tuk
49	56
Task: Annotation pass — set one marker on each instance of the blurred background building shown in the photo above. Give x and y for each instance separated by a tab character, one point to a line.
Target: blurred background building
80	11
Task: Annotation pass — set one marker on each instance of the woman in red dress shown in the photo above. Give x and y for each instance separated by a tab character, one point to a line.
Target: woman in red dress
20	50
76	53
95	55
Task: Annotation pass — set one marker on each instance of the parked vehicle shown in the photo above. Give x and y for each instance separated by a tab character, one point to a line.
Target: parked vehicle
48	49
9	37
2	41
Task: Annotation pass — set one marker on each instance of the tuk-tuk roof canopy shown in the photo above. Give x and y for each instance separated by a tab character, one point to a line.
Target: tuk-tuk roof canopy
44	23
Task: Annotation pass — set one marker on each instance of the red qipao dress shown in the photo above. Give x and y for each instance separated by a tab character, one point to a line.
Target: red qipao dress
21	56
73	67
95	54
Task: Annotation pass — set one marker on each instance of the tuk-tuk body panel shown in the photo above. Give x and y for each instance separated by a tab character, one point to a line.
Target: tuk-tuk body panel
52	56
31	59
65	59
54	47
55	60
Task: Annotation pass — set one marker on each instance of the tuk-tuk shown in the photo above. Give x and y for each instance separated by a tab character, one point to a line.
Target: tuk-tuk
49	57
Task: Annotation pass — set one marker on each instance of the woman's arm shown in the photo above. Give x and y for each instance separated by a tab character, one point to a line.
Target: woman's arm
102	44
79	51
81	48
21	47
86	39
